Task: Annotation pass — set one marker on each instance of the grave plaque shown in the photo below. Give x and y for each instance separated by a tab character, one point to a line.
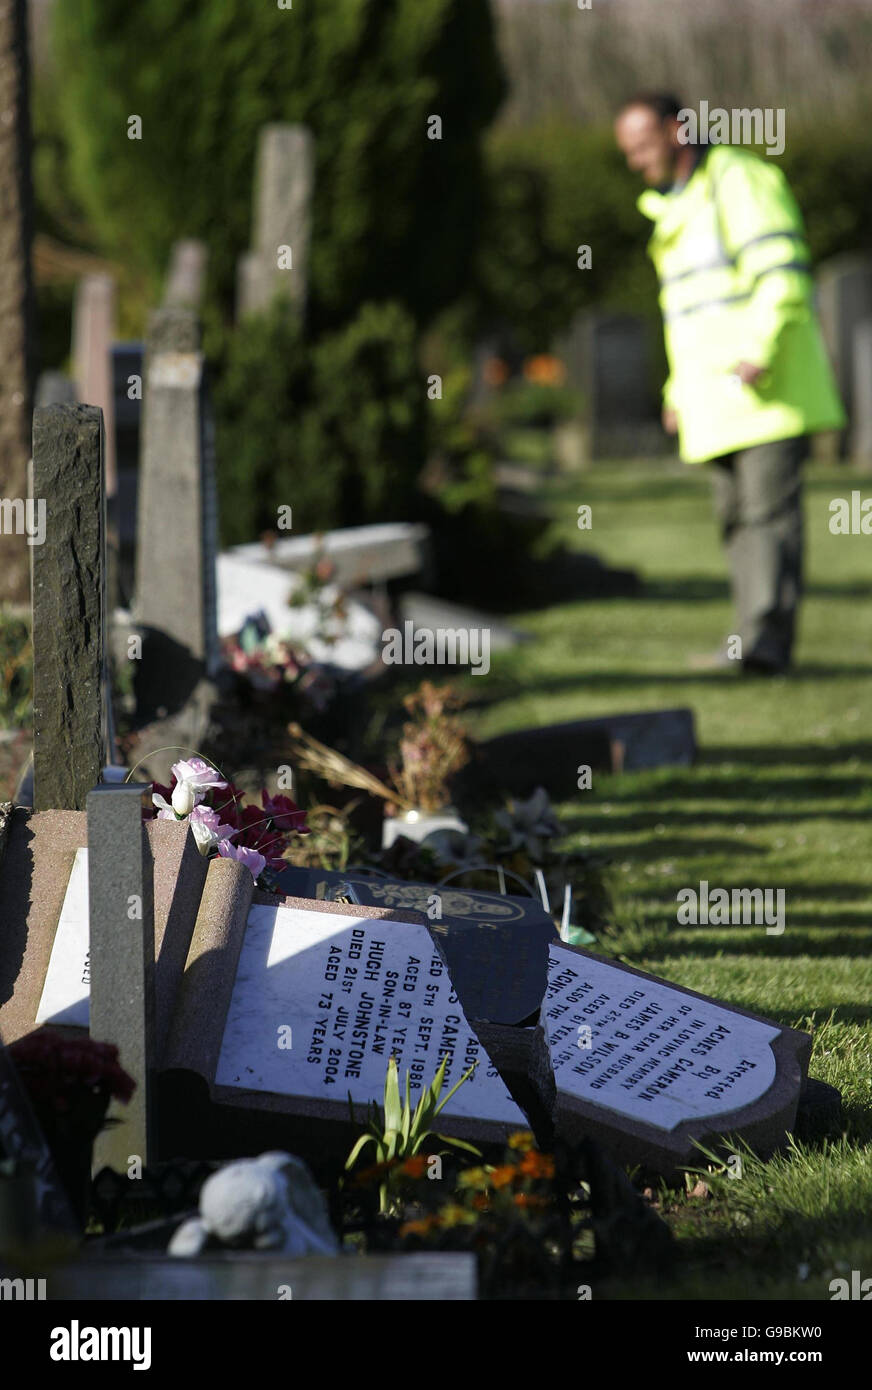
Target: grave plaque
647	1067
324	998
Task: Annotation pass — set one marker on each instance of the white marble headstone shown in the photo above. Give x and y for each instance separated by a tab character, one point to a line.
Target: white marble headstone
646	1051
353	992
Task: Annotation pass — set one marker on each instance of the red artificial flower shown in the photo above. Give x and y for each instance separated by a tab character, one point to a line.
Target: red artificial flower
284	813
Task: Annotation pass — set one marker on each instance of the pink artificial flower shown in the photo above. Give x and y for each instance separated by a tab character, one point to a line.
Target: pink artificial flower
243	855
208	828
199	773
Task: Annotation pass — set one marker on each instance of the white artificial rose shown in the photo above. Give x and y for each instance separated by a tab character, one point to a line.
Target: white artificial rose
184	798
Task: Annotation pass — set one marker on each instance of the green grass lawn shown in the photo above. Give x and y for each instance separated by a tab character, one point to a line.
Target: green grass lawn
780	797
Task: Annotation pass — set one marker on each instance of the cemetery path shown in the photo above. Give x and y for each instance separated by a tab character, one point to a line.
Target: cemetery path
779	798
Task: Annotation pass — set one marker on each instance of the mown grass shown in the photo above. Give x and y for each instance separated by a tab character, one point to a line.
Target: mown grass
780	797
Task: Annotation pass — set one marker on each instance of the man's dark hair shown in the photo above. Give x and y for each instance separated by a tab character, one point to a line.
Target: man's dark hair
665	105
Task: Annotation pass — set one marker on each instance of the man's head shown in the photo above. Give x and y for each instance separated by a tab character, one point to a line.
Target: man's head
646	130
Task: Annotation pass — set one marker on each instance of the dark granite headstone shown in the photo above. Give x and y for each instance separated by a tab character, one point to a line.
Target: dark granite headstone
550	756
68	576
121	944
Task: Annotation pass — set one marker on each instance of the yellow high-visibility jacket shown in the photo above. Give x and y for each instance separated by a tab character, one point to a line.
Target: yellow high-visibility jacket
735	285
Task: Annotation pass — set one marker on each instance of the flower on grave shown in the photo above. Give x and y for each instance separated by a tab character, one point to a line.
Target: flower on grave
57	1070
284	813
194	779
221	821
243	855
527	825
208	829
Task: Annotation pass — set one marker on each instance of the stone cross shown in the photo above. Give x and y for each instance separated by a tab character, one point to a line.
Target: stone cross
69	608
277	263
175	602
121	950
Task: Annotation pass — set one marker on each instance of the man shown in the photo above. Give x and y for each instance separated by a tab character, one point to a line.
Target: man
748	374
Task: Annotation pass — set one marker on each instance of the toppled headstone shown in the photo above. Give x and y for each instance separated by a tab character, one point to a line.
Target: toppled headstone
649	1069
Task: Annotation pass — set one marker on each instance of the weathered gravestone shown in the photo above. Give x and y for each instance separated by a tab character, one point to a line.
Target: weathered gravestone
175	603
121	960
277	263
650	1069
70	675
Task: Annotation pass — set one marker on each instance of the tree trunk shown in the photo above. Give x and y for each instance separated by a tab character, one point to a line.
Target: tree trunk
17	363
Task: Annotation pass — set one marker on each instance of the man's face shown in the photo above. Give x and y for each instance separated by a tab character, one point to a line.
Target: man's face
649	145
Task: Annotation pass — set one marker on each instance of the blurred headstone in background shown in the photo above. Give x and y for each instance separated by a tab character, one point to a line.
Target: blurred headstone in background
861	390
281	220
93	332
175	601
844	299
608	363
127	386
187	274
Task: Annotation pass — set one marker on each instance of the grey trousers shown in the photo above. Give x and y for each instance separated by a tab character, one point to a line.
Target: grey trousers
757	498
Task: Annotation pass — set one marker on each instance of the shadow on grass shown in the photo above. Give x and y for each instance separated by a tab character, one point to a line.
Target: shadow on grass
654	943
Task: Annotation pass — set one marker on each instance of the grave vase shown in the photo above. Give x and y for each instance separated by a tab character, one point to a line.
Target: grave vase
417	825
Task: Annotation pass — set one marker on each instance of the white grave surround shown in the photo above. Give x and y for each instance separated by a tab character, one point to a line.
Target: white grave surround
647	1052
353	992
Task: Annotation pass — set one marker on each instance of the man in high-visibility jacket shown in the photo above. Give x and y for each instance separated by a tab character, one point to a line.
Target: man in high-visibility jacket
749	378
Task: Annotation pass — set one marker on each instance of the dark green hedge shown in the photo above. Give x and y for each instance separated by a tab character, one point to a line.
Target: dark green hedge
396	213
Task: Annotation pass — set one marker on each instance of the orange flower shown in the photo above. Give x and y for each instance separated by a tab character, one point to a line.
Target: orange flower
501	1177
545	370
536	1165
526	1199
419	1228
495	371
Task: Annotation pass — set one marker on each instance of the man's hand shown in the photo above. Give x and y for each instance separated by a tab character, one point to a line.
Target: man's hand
670	420
747	373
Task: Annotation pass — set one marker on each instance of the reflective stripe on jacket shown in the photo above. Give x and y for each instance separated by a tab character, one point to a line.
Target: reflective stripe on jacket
736	285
